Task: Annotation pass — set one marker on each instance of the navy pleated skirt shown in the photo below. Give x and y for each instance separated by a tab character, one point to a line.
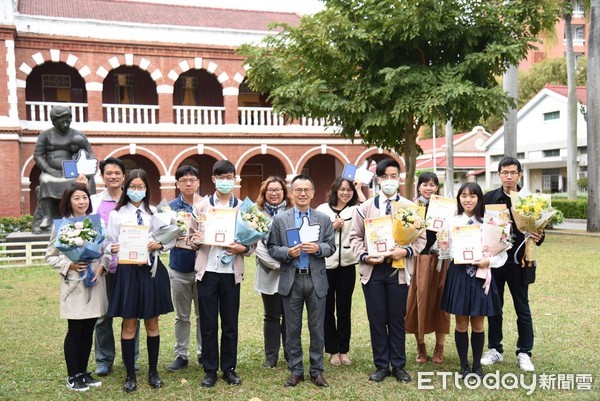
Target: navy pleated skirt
138	295
464	295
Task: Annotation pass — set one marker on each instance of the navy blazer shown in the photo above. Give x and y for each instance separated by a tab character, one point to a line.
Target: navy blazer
278	249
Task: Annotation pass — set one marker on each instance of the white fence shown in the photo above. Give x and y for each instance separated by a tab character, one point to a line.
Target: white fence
40	111
199	115
131	113
15	254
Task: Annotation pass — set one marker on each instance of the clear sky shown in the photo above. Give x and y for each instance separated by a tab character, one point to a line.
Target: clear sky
301	6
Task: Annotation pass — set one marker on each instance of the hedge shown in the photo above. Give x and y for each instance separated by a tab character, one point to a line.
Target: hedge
14	224
572	209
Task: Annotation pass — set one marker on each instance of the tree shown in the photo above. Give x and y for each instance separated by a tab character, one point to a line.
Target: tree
511	87
379	69
593	119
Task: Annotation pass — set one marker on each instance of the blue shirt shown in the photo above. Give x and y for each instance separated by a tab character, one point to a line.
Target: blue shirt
180	259
303	261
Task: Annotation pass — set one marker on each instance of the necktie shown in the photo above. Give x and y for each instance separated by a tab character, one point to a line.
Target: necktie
139	217
388	207
471	270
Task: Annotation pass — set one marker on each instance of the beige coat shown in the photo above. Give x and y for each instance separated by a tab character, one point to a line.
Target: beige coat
77	302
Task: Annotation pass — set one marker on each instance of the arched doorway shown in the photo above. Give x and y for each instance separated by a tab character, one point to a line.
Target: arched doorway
126	91
255	171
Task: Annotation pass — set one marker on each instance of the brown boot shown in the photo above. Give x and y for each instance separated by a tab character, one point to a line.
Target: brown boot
438	354
421	353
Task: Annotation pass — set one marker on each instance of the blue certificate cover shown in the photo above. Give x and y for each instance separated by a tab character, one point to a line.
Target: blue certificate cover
349	171
293	237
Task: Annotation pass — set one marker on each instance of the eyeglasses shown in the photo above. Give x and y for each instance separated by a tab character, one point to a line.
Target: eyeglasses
187	181
138	188
225	177
298	191
274	191
511	173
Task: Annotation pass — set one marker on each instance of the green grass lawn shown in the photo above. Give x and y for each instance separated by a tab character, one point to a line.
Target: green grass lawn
563	300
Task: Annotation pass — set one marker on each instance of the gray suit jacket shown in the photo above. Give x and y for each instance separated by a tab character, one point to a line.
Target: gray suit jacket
278	249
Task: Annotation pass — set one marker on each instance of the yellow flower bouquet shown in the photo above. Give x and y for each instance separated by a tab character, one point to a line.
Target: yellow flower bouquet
531	212
408	223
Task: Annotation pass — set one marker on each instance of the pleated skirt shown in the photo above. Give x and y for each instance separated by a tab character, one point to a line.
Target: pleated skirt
137	294
464	295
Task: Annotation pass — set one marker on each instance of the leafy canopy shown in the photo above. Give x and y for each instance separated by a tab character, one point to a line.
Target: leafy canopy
382	68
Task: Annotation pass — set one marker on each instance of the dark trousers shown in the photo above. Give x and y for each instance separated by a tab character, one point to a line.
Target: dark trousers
219	295
513	275
386	308
78	345
339	304
273	326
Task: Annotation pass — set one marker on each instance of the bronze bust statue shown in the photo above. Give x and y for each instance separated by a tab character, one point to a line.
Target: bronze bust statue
52	147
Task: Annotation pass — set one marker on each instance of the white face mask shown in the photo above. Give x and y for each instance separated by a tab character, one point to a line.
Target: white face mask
389	187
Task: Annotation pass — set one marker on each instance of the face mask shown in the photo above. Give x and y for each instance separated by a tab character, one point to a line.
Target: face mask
136	196
224	186
389	187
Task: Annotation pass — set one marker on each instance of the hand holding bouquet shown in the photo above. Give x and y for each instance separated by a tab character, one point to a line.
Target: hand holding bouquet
532	212
408	223
80	239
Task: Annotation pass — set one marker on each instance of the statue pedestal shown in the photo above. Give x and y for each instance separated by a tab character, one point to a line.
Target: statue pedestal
27	237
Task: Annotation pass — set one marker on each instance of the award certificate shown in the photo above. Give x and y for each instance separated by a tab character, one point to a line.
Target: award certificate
439	212
379	235
133	241
220	226
186	220
466	244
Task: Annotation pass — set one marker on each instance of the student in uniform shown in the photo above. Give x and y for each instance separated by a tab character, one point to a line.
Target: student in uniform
464	294
137	294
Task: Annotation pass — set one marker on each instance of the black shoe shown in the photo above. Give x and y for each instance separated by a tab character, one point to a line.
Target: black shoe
231	377
130	384
379	375
154	380
210	379
464	371
90	381
269	363
293	380
199	360
401	375
178	364
478	371
319	380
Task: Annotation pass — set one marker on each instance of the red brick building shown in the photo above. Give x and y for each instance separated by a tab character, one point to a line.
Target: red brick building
156	85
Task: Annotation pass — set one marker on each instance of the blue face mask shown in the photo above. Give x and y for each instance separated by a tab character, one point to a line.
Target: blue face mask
136	196
224	186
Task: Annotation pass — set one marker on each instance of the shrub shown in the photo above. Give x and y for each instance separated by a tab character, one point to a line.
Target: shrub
572	209
582	182
14	224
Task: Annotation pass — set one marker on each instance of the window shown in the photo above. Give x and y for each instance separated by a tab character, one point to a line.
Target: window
551	180
56	88
521	155
551	152
553	115
582	150
123	88
579	33
496	158
188	91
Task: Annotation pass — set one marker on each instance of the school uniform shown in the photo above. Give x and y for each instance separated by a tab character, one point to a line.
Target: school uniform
464	294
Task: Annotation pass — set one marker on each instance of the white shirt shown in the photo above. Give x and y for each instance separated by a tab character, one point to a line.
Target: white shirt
127	215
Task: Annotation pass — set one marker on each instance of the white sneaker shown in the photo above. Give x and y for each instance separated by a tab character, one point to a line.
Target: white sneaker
524	361
491	357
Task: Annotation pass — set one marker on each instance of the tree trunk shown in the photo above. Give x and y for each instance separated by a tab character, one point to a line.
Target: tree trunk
593	120
449	176
511	86
410	158
571	113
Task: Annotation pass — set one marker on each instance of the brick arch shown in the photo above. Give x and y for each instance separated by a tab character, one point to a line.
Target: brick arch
200	63
28	166
329	150
268	150
191	151
143	151
378	151
55	56
129	60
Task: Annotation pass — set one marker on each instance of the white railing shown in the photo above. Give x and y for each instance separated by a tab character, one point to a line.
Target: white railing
14	254
312	122
131	113
260	116
40	111
199	115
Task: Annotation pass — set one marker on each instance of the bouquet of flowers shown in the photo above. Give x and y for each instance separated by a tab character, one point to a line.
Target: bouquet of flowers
251	225
80	239
165	228
408	223
532	212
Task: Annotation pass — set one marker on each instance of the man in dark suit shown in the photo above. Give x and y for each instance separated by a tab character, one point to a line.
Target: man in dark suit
303	278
